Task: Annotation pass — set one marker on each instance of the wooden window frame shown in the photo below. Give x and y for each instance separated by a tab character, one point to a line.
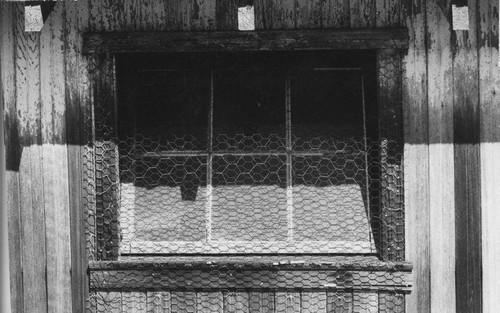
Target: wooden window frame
102	234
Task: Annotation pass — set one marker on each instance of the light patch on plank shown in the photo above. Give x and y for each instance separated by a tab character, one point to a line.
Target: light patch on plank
460	17
246	18
33	21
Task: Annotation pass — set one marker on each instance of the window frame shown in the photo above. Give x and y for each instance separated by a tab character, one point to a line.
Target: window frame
102	232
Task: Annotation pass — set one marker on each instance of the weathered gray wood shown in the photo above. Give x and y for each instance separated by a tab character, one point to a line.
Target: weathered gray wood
246	41
279	14
388	13
12	150
467	168
55	162
226	14
309	14
489	95
74	116
441	160
337	14
362	13
416	156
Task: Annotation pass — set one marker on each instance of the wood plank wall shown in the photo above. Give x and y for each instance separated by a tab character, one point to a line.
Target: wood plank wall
452	136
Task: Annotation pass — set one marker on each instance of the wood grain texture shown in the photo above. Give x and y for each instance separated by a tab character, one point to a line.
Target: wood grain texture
489	110
337	14
55	161
8	43
309	14
362	13
416	155
279	14
395	38
441	158
226	14
74	135
467	168
388	13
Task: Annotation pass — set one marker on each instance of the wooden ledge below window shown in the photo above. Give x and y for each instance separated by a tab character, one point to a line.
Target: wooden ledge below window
251	273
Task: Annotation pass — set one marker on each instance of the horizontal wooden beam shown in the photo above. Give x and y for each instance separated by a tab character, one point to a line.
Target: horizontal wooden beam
316	39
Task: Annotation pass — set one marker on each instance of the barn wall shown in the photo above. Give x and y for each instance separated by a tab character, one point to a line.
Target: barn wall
452	137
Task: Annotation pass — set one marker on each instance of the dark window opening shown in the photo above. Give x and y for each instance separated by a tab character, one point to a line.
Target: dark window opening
273	152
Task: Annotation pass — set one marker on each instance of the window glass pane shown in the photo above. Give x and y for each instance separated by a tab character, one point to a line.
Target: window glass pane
249	111
249	198
327	110
170	110
164	199
329	198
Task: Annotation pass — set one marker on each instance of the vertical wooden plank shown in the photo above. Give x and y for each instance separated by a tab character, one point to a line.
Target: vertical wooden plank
262	302
279	14
158	301
226	14
365	302
416	155
362	13
8	43
337	14
309	13
132	302
25	186
489	94
183	302
209	302
55	161
467	168
339	301
236	302
288	302
75	161
441	160
158	14
313	302
388	13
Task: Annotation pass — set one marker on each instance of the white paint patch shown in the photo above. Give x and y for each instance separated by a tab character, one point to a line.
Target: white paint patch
33	20
246	18
460	17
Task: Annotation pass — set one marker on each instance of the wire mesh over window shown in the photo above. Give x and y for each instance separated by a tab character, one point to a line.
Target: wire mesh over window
246	153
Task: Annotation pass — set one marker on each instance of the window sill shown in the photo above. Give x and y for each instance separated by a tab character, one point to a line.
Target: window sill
251	272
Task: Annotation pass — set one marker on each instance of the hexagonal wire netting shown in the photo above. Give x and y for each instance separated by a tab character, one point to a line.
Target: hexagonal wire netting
248	154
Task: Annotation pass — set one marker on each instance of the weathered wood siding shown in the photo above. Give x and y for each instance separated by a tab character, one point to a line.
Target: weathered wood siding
451	131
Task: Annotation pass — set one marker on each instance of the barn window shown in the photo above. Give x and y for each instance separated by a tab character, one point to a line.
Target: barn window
237	153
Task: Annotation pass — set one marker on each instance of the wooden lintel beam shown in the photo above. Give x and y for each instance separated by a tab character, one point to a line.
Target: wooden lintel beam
317	39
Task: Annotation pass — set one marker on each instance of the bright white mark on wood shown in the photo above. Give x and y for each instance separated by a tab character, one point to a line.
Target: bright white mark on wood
246	18
33	21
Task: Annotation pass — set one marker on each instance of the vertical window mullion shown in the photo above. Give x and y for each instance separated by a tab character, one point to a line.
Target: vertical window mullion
289	190
208	212
365	141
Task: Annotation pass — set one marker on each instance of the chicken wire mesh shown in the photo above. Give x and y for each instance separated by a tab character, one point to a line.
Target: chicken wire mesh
285	154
